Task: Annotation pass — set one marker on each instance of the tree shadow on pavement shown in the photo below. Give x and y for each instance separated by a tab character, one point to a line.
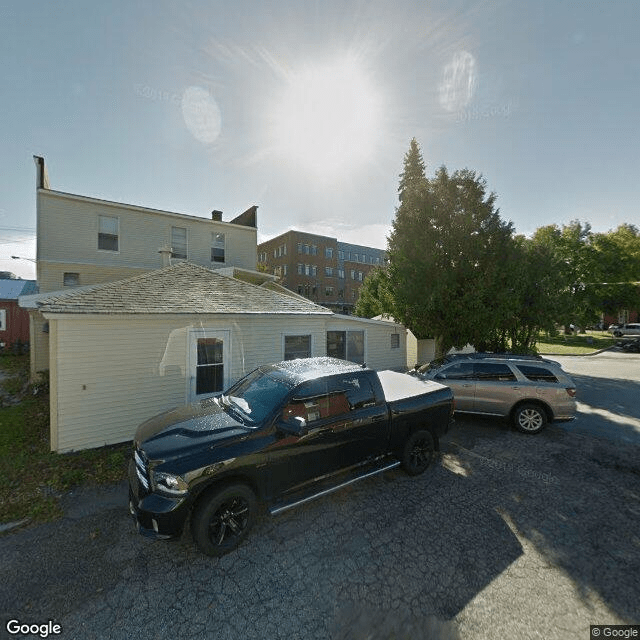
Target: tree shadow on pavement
574	497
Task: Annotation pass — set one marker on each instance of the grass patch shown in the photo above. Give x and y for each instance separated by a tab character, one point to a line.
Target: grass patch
32	478
578	344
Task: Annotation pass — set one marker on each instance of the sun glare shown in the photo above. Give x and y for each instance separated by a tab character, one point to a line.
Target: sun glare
327	119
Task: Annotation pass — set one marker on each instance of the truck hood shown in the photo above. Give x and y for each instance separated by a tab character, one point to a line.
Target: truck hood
194	426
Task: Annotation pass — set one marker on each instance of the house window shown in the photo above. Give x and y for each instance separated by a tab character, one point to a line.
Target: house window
108	233
353	274
70	279
3	319
328	252
300	269
360	276
307	269
209	366
299	247
346	345
340	255
328	291
328	271
341	273
179	243
314	250
297	347
395	340
217	247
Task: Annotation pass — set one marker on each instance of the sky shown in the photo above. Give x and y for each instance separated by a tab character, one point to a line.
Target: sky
307	109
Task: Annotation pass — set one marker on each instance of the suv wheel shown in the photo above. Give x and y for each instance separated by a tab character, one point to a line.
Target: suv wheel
222	519
530	418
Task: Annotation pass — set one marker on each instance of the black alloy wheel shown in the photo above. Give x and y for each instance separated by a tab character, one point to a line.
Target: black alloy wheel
222	520
419	453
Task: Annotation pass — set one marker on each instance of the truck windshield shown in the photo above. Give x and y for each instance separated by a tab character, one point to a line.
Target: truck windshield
256	396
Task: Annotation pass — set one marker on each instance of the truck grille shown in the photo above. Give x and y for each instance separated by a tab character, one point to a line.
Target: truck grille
141	468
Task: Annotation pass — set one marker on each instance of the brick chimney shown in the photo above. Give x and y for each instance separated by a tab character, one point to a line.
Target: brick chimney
216	215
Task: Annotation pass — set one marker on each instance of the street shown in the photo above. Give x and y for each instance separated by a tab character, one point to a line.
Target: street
507	536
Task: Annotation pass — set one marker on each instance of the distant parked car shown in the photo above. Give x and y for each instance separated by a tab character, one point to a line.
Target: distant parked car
632	346
529	390
629	329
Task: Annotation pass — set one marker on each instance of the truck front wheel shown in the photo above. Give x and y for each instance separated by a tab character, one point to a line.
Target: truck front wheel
419	452
222	519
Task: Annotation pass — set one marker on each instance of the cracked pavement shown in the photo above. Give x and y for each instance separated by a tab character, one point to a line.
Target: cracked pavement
507	536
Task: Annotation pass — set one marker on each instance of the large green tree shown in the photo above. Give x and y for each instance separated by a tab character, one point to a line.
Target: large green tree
375	297
446	253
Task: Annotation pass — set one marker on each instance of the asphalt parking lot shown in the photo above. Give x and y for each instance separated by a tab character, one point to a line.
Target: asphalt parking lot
508	536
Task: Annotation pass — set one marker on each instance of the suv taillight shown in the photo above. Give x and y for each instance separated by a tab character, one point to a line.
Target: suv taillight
571	391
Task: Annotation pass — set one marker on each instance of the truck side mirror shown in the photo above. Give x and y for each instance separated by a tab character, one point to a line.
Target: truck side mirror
295	426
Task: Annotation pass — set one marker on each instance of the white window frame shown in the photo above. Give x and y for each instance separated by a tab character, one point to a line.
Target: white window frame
3	319
117	219
346	331
296	335
192	360
186	243
215	234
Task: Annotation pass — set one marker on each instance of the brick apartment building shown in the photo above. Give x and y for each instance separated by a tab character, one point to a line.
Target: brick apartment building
320	268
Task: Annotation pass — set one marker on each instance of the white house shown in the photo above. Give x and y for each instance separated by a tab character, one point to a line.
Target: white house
129	338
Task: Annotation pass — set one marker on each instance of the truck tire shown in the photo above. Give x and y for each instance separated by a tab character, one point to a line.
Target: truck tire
222	519
529	418
419	452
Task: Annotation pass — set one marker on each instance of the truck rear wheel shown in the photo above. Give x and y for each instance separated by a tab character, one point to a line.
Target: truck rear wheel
419	452
222	520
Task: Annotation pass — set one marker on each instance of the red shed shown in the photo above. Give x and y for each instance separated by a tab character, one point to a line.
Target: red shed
14	321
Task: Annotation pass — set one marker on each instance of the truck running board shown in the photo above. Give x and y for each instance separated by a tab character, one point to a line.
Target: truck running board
279	508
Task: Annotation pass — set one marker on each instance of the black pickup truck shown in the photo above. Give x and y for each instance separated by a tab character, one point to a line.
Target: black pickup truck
284	434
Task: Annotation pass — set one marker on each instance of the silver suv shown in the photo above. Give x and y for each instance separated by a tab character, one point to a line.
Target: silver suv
529	390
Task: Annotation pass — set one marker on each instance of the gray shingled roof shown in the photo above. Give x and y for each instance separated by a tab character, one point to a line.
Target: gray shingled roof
181	288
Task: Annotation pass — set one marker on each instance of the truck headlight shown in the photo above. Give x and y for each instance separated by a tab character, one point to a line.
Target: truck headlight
169	483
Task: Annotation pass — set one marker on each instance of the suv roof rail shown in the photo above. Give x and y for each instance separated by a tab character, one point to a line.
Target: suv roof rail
505	355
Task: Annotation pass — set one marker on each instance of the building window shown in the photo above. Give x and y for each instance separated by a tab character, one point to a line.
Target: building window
307	269
3	319
340	255
71	279
297	347
353	274
360	276
346	345
284	249
108	233
179	243
300	268
217	247
209	366
300	290
328	252
284	270
314	250
328	271
299	247
341	273
307	249
395	340
328	291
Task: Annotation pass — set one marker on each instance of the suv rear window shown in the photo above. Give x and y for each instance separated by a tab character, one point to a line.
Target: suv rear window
537	374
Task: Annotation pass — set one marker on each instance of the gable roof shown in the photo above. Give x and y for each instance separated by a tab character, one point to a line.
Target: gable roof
181	288
10	289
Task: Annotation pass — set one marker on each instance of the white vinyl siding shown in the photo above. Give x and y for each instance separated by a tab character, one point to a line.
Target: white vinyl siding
144	364
68	231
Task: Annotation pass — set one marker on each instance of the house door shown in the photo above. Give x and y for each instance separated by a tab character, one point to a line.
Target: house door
209	363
